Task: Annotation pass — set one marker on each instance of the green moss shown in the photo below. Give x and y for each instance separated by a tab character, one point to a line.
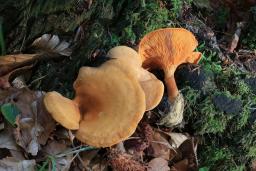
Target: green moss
138	19
249	37
229	141
252	152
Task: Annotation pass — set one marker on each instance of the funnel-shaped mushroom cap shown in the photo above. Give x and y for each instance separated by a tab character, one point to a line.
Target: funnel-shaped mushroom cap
130	62
62	109
111	103
168	48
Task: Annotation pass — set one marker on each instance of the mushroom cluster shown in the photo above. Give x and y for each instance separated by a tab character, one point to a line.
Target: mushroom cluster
110	100
166	49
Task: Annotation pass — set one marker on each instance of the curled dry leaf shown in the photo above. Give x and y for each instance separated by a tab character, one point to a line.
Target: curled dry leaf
159	147
88	156
32	130
52	44
236	36
7	141
177	139
16	64
188	150
182	165
6	79
12	164
53	148
158	164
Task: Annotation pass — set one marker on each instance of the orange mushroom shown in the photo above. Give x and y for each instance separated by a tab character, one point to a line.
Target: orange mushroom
110	102
166	49
130	62
63	110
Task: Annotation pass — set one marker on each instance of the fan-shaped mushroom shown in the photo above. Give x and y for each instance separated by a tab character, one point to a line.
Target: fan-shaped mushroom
110	103
130	62
166	49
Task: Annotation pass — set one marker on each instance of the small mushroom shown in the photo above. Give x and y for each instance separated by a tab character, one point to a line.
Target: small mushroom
166	49
111	104
130	62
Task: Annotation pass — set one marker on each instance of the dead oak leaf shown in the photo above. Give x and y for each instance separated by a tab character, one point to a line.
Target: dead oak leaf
52	149
181	166
158	164
7	141
188	150
34	123
12	164
159	147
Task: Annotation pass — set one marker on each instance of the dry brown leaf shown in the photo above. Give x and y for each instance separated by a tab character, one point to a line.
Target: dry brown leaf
34	124
53	148
7	141
159	147
87	156
18	155
188	149
181	166
158	164
99	165
51	44
13	65
9	63
6	79
236	36
12	164
177	139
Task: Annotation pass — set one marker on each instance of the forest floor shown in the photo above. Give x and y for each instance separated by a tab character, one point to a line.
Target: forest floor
218	131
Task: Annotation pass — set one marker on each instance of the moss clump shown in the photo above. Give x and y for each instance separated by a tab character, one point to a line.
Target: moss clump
136	20
228	140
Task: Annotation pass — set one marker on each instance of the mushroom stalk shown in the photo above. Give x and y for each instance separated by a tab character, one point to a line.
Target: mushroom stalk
172	89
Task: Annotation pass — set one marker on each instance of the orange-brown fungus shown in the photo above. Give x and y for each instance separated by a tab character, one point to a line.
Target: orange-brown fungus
128	60
111	104
167	49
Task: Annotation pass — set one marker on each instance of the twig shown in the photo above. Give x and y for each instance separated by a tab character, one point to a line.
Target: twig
38	79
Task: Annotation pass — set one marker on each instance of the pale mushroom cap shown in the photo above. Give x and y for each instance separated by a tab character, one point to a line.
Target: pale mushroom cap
168	48
63	110
125	53
126	58
112	104
153	88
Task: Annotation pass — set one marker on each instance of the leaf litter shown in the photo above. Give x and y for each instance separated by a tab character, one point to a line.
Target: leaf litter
33	132
53	147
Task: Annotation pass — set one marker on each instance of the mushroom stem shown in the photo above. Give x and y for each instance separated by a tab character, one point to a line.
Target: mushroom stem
172	89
